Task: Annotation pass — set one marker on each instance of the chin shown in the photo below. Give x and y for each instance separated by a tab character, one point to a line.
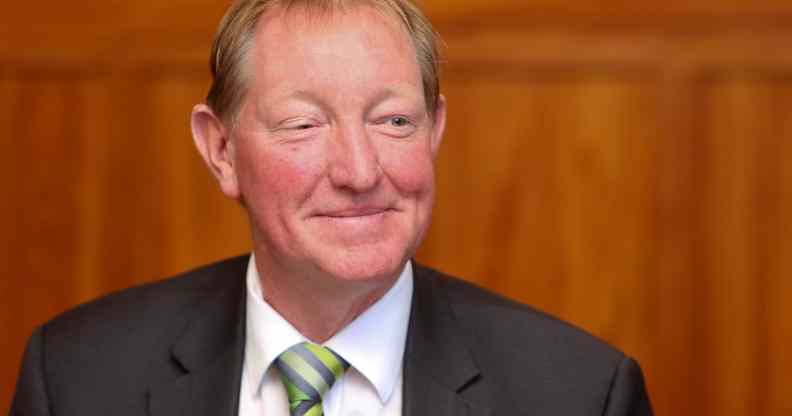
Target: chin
371	263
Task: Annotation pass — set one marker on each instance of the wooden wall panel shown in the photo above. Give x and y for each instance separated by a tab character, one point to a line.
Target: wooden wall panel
111	29
613	9
621	165
744	193
105	190
779	283
38	208
736	126
547	182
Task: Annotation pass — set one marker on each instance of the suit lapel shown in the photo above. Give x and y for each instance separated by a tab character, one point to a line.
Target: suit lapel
438	368
210	351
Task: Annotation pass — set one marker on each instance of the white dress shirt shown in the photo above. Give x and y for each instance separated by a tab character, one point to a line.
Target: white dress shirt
373	344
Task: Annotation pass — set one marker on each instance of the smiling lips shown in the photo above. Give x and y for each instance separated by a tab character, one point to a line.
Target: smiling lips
355	212
358	221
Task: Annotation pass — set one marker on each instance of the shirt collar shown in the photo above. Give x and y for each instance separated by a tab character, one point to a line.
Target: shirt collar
373	343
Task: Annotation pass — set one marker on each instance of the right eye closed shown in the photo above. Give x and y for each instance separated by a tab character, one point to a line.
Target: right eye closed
296	128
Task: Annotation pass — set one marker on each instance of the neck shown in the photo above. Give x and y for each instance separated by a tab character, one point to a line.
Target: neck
318	306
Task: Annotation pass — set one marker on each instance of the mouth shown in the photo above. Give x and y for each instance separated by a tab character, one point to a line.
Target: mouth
358	212
355	226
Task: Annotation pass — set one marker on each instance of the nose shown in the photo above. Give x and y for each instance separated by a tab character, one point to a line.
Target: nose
354	160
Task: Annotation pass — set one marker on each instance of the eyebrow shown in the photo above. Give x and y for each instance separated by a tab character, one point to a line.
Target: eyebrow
399	90
301	95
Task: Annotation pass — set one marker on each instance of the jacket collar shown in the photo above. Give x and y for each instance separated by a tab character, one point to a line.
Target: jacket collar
438	368
210	351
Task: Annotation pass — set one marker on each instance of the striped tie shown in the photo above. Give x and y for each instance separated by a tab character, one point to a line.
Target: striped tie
308	371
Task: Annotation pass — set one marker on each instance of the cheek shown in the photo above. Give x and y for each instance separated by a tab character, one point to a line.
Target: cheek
411	170
276	177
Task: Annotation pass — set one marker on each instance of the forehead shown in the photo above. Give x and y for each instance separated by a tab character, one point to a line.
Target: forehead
305	17
359	42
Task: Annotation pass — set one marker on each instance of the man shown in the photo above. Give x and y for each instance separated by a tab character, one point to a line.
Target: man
323	121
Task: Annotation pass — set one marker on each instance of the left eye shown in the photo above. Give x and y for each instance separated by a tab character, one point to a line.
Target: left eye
398	121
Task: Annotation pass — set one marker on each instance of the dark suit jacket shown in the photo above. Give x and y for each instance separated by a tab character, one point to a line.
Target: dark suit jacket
176	348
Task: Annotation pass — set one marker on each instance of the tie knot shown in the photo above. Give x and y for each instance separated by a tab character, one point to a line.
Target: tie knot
308	371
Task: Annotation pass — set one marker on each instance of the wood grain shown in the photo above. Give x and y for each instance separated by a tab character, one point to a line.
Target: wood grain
622	165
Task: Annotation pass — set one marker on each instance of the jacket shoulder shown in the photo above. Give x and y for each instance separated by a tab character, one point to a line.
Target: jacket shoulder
125	338
483	310
526	354
148	305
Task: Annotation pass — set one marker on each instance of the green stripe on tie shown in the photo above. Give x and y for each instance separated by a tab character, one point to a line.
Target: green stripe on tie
306	371
295	392
316	410
302	376
328	359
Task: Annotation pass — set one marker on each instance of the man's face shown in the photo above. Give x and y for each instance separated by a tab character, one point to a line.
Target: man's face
333	153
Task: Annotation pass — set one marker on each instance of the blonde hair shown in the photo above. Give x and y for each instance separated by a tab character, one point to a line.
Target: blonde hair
235	35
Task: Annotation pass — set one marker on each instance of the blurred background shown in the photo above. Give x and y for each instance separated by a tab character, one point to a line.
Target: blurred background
625	165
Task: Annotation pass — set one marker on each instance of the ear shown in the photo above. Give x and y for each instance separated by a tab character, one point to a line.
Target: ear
438	129
215	146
